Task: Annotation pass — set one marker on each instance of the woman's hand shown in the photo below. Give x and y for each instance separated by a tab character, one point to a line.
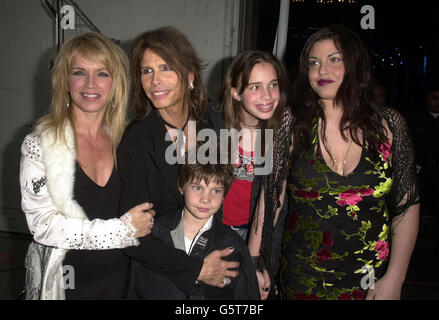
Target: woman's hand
216	271
142	219
385	289
264	283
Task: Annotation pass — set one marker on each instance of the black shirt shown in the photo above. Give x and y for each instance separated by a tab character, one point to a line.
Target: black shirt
98	274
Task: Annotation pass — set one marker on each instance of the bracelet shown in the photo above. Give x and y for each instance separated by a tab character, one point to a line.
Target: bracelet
259	263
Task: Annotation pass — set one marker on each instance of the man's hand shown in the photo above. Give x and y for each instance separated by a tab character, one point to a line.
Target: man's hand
216	271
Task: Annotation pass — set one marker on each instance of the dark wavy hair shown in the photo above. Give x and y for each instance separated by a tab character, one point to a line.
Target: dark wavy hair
238	76
361	113
173	47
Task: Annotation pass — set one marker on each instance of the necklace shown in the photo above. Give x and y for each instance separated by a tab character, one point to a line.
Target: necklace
174	127
335	162
180	139
249	125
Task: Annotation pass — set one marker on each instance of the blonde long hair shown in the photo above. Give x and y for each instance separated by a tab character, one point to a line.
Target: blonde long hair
94	47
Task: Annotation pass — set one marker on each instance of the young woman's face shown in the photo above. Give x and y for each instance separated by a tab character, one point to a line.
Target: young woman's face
261	96
201	200
325	69
89	84
160	83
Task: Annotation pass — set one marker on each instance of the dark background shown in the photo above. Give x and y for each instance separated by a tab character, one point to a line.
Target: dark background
404	45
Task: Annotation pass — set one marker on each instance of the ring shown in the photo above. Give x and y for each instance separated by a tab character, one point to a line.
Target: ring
226	281
152	220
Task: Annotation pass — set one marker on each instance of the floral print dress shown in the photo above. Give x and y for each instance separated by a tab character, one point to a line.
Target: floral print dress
336	238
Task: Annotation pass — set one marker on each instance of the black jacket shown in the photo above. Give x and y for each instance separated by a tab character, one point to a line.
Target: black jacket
144	171
147	284
147	177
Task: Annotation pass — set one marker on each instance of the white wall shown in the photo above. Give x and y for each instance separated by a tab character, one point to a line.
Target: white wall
27	46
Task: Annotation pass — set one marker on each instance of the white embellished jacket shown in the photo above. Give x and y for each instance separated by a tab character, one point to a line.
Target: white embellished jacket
56	221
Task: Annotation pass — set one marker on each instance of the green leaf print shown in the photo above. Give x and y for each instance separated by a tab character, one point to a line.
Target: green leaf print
383	188
315	237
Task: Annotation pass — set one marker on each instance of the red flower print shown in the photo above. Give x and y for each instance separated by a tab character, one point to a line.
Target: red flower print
327	239
384	149
344	296
312	162
366	192
351	196
324	254
301	296
292	219
301	194
313	194
341	202
382	247
307	194
356	295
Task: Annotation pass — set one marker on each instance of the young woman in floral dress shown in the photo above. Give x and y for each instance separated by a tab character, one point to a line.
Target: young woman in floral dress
354	212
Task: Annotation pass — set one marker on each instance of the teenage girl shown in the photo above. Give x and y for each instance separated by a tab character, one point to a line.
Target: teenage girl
254	100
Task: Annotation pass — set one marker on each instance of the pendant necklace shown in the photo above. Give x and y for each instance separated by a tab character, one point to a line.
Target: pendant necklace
335	162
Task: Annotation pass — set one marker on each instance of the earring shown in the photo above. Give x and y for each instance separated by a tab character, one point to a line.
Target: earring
191	85
68	104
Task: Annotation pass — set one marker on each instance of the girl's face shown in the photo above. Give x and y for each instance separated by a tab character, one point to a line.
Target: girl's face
325	69
89	84
261	96
160	82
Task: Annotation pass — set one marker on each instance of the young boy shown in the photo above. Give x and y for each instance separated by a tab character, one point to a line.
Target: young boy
198	231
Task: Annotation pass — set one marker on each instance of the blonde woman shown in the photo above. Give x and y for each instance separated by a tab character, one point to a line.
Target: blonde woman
69	182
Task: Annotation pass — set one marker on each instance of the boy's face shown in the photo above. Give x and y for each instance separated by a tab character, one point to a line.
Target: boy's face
201	200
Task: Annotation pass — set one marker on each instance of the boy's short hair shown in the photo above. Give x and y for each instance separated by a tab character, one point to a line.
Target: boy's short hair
221	174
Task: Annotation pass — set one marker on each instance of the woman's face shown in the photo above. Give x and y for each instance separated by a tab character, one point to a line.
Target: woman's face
261	96
89	84
325	69
160	83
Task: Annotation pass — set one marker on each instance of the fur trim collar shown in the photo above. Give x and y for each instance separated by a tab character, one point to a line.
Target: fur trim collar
59	161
